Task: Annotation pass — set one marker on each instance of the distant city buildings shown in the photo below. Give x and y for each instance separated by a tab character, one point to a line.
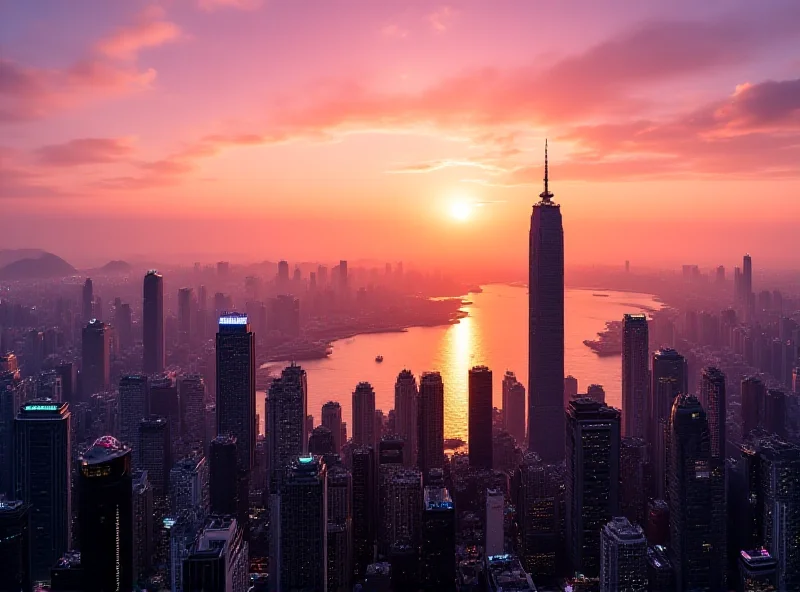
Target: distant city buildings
514	407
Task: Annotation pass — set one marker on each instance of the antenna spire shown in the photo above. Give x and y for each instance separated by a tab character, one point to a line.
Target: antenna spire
546	195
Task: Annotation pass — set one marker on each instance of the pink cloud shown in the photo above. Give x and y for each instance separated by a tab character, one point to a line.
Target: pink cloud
212	5
85	151
394	32
150	30
440	19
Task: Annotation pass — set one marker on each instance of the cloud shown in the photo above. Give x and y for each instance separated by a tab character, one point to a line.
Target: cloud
149	30
440	19
394	32
84	151
438	165
19	183
212	5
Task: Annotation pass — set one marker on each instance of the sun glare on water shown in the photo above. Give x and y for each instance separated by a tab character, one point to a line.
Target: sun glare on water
460	211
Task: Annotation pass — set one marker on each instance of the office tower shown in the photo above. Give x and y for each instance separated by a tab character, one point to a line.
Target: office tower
546	328
480	417
185	314
340	492
288	406
720	275
134	405
635	375
95	358
322	275
155	455
11	396
438	541
223	489
105	497
153	323
657	528
746	293
514	407
283	272
236	386
15	546
775	412
332	419
87	298
505	572
430	423
320	442
754	394
632	490
697	542
538	505
597	393
257	314
48	386
69	381
405	408
570	389
309	423
758	571
143	526
364	509
218	560
660	574
343	275
401	507
123	325
364	415
712	397
67	574
670	378
189	485
164	402
624	557
303	561
284	315
592	480
41	473
494	531
183	528
192	395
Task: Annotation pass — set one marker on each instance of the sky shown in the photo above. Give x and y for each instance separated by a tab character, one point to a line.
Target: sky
400	130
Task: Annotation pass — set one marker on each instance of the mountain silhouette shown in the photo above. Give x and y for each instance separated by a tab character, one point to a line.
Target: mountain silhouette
45	265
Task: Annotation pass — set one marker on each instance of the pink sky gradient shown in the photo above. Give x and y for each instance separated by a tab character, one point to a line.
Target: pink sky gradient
347	129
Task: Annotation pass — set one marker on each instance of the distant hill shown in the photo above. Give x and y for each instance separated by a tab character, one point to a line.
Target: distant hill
115	266
41	266
11	255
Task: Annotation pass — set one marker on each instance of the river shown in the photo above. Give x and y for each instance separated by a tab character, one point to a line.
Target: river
493	334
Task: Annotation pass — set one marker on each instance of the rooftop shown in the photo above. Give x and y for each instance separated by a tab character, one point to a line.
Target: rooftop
104	449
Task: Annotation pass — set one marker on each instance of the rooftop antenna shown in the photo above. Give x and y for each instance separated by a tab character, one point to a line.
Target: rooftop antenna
546	195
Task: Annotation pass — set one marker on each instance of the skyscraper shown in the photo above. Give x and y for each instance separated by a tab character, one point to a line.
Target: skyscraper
236	385
438	540
123	325
632	491
697	542
754	394
11	395
42	467
624	557
746	292
405	408
218	559
538	514
87	298
430	423
155	455
288	435
15	546
192	394
592	480
364	509
635	375
185	315
106	521
142	523
302	557
134	406
546	328
494	522
364	415
480	417
340	529
332	419
96	358
712	397
189	485
670	378
514	407
153	323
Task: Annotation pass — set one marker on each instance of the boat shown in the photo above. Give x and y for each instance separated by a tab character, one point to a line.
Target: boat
453	443
379	358
609	342
600	295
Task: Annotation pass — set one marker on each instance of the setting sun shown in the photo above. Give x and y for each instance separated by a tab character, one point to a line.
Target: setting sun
460	211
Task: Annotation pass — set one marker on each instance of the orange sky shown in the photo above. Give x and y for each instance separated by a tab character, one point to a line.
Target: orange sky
303	130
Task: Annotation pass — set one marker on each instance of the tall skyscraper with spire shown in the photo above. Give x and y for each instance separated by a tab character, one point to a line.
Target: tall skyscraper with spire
546	328
153	323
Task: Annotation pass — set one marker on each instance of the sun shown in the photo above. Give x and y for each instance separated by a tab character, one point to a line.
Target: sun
461	211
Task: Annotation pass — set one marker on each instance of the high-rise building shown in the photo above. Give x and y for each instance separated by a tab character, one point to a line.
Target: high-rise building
632	489
364	509
123	325
185	315
302	556
775	412
287	433
320	442
514	407
406	397
134	406
624	557
183	528
223	476
142	523
494	523
69	381
218	560
155	455
754	394
596	392
592	480
284	315
430	423
42	466
758	571
364	415
401	507
343	275
538	508
746	288
95	358
660	575
570	389
546	328
332	419
340	493
189	484
192	395
11	397
697	533
87	298
438	540
480	417
670	379
15	546
712	397
105	496
635	375
236	386
153	323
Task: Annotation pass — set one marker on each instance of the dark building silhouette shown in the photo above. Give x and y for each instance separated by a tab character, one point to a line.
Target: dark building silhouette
713	399
430	423
623	565
514	407
67	573
592	480
632	490
69	381
754	394
87	298
539	515
775	412
365	511
11	397
284	315
95	358
42	478
660	574
670	378
758	571
164	403
15	546
143	523
155	455
320	442
332	419
657	528
364	415
153	323
438	565
106	521
185	315
134	406
236	386
340	529
222	480
287	433
546	328
123	325
635	375
192	394
480	417
406	400
696	490
218	559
